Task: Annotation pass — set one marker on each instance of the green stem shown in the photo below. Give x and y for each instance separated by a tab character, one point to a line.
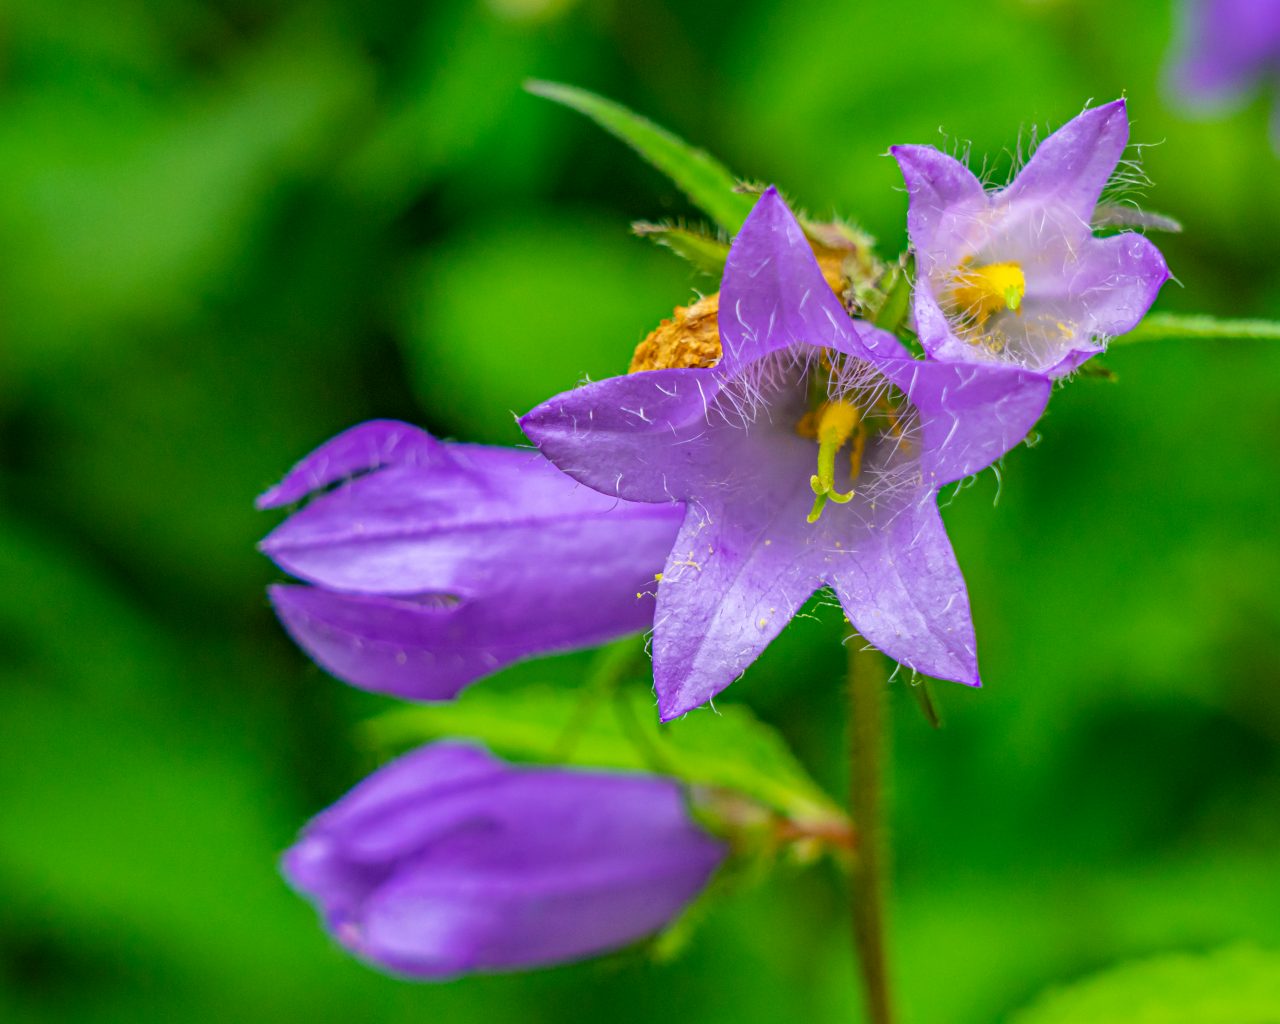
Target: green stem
869	882
610	664
1160	326
646	741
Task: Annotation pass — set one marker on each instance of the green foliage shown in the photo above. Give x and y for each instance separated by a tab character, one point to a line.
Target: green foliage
1233	986
707	255
700	176
729	748
1172	326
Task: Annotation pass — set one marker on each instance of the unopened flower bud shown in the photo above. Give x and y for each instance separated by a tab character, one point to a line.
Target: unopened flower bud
448	861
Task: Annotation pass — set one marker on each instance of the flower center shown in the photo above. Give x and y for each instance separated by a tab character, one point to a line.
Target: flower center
980	292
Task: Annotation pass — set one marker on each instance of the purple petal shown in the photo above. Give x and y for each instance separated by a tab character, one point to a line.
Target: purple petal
392	646
363	448
424	929
486	866
488	521
903	591
644	437
567	865
740	569
970	414
419	798
1073	164
770	261
334	858
944	195
432	576
774	296
430	650
422	774
1117	281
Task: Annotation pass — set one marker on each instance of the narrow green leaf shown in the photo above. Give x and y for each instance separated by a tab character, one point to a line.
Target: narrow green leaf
728	748
1240	985
1164	326
700	176
707	254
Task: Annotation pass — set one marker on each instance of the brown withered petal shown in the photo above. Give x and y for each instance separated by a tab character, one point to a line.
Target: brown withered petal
691	337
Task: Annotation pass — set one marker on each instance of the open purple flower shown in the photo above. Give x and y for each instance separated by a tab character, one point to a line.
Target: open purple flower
799	387
1227	47
448	861
1016	276
435	564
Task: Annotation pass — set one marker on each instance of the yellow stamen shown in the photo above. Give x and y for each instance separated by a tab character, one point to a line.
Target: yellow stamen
837	422
981	292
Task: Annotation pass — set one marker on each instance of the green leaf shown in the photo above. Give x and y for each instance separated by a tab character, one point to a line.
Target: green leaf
1240	985
707	254
728	748
1164	326
701	177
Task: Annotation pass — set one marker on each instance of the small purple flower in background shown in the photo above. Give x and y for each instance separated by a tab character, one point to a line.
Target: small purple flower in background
448	861
1016	276
435	564
799	386
1226	49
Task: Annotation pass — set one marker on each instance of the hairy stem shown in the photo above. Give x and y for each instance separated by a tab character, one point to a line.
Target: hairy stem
1159	326
869	881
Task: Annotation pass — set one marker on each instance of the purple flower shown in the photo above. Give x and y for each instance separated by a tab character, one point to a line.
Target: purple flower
448	861
799	386
435	564
1016	276
1226	48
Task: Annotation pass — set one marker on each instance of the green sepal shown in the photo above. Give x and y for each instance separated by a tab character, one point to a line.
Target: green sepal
1121	216
895	287
837	234
706	253
1165	326
701	177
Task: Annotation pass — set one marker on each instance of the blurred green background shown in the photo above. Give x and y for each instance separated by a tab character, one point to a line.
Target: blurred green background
230	229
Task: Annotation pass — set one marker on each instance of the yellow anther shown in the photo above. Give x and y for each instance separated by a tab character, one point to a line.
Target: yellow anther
838	420
980	292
